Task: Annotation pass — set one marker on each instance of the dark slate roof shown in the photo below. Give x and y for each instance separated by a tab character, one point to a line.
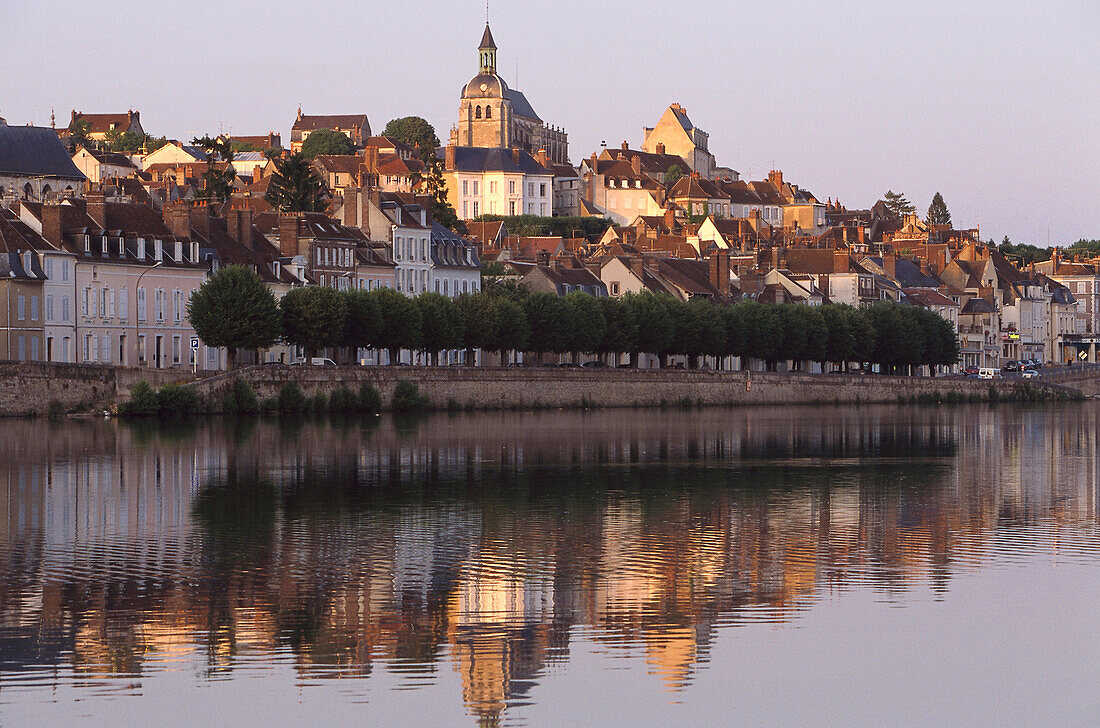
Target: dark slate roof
451	251
909	275
35	151
520	104
480	159
978	305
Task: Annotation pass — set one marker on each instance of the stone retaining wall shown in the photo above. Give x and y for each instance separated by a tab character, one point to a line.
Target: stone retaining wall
517	388
29	388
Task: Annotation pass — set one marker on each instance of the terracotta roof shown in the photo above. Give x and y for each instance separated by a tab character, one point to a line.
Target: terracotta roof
349	163
102	123
928	297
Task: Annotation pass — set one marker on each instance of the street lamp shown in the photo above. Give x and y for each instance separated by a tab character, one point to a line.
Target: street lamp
137	316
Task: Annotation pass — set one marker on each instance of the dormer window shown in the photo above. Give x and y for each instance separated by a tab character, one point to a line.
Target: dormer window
27	261
88	243
158	250
141	248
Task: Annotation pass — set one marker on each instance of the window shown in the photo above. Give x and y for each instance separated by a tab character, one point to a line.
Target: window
64	271
512	186
177	305
22	346
492	188
103	303
512	207
123	304
475	191
318	256
475	210
34	309
176	349
465	187
49	308
542	190
142	311
488	112
530	189
614	288
21	308
477	113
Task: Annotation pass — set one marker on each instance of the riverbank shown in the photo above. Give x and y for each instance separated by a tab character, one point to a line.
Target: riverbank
39	389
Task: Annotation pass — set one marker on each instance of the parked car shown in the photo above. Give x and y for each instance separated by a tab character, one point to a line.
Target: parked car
986	373
595	364
971	370
1030	374
1011	366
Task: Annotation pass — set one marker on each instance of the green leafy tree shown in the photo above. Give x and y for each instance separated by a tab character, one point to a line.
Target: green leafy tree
652	322
591	228
327	141
433	185
898	341
735	331
313	318
897	204
236	310
1022	254
78	132
238	146
864	336
513	333
1085	247
795	332
295	186
672	176
440	324
551	322
363	324
480	322
620	331
219	175
111	137
416	132
401	322
764	332
938	214
816	338
589	324
838	336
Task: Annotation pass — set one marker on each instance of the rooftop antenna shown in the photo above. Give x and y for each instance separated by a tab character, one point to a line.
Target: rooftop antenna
486	12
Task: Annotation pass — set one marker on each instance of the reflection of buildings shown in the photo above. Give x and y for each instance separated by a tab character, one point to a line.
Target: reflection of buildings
489	541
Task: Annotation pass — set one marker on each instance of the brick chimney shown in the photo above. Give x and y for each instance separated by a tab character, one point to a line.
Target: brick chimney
636	163
288	233
449	157
720	272
555	263
660	148
625	146
637	265
97	208
776	177
515	155
890	264
200	220
239	225
542	257
177	217
350	211
841	261
541	156
53	227
370	159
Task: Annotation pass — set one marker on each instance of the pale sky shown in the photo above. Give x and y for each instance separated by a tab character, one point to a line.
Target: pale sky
994	104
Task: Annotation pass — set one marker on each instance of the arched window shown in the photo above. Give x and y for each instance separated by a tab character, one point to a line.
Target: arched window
477	113
28	191
488	112
46	192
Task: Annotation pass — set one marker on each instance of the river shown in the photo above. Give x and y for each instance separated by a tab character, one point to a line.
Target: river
839	566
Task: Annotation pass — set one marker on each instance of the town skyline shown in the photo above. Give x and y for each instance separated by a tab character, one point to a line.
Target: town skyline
855	153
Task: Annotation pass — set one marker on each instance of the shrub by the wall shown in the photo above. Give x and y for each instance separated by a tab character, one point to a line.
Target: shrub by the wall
407	398
291	399
370	399
241	400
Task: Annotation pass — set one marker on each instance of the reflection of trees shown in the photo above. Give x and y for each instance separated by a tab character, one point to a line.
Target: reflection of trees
490	537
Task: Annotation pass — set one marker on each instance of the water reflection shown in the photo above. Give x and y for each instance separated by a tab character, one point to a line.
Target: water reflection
491	543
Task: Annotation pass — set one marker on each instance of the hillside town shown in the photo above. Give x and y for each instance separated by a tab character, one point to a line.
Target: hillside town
107	230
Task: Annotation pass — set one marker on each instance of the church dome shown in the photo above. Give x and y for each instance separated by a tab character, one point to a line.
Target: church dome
485	86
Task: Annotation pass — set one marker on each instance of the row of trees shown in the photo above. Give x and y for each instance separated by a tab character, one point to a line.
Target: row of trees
235	309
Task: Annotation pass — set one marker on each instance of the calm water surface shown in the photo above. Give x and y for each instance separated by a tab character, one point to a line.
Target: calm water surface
835	567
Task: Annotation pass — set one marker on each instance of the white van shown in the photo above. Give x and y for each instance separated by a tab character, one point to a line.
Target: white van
320	361
985	373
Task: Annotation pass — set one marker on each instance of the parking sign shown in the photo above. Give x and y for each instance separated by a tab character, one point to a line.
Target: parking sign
195	342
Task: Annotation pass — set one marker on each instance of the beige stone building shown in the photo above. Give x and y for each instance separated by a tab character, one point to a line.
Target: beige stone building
675	134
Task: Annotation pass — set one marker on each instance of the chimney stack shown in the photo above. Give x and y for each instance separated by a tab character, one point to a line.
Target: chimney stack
625	146
841	261
636	164
515	155
660	147
53	228
889	264
178	219
288	233
776	177
351	207
541	156
97	208
449	157
542	258
720	272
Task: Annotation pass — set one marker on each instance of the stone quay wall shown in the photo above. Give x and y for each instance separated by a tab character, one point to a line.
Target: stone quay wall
31	388
536	388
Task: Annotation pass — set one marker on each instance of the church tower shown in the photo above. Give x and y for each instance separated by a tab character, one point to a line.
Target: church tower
488	51
484	116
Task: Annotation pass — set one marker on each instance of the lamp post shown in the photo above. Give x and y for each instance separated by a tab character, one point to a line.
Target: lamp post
137	316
